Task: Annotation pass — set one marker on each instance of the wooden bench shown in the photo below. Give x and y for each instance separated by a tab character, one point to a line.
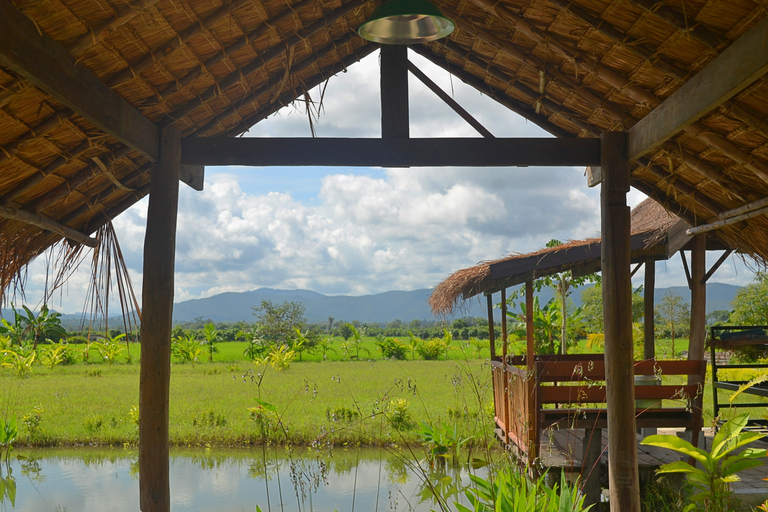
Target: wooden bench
580	385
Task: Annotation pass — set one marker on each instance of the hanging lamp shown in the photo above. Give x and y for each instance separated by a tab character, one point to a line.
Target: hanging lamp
406	22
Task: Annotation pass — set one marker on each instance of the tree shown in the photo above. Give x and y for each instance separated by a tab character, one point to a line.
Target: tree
718	317
277	322
750	305
211	338
592	307
44	325
563	284
673	312
15	330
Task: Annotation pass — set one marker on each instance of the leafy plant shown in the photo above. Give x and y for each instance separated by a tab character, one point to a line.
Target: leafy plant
54	355
186	349
512	491
212	337
9	431
354	342
279	357
32	422
110	348
432	350
325	345
398	414
444	441
20	359
719	468
413	344
391	348
44	325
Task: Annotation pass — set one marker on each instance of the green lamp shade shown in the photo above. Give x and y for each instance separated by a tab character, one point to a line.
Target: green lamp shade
406	22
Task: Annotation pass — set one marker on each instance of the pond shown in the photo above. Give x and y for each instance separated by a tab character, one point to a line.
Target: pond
343	479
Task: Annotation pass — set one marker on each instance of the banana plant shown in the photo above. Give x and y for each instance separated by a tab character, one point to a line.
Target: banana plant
718	467
212	337
110	348
9	431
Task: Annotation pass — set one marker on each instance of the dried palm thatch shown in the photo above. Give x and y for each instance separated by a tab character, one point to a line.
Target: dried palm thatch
648	220
217	67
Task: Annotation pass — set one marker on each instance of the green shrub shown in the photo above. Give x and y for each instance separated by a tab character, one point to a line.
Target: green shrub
398	414
392	348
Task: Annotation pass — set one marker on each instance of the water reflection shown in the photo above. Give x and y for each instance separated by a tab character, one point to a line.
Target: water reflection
298	480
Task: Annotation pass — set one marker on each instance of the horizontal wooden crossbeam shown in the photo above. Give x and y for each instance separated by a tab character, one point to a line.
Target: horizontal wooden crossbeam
452	152
738	66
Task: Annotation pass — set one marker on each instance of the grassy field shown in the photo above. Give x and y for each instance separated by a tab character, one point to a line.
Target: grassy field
216	403
234	402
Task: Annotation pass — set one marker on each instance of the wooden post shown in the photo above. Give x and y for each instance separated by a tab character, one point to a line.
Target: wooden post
617	316
649	340
590	470
505	376
394	91
698	324
491	334
157	308
530	360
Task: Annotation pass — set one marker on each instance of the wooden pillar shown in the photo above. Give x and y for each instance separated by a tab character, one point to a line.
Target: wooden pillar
698	298
649	339
530	360
698	325
505	375
157	308
617	316
491	334
394	91
590	470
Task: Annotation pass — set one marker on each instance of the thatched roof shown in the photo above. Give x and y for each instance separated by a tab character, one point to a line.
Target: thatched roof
217	67
653	229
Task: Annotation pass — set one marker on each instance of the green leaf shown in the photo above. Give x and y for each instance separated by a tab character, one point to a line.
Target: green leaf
266	405
677	467
741	465
728	431
678	445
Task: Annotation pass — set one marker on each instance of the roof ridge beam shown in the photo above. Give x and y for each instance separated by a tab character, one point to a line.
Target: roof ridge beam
49	66
730	72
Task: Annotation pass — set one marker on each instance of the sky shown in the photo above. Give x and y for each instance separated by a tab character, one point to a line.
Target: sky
359	231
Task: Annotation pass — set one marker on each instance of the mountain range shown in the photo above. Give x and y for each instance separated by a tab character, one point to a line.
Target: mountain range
379	308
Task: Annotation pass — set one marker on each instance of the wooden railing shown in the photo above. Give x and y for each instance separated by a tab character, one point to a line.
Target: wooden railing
569	391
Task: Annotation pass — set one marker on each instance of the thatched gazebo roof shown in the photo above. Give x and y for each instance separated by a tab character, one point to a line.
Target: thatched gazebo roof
217	67
656	235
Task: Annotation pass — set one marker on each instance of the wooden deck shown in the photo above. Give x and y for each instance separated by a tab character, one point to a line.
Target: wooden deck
562	450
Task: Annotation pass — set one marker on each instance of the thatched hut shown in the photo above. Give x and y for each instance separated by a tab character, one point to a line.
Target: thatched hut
103	102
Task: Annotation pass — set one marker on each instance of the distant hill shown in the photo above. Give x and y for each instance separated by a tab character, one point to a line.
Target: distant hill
379	308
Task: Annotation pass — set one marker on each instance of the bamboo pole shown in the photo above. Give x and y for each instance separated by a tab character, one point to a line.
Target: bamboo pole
157	303
617	303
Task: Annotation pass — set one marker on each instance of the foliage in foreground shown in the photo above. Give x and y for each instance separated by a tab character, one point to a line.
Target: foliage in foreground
718	467
512	491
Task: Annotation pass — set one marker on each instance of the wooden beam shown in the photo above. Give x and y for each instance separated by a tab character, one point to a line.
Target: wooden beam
157	306
716	266
47	65
448	100
530	362
48	224
451	152
698	331
512	104
394	92
617	317
734	69
649	333
491	333
193	175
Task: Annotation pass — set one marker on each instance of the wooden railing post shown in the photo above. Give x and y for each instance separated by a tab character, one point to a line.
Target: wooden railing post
157	308
505	374
617	303
530	360
698	325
